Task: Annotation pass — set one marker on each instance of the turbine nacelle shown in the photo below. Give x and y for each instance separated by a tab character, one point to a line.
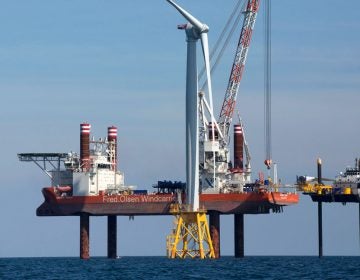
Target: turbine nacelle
192	32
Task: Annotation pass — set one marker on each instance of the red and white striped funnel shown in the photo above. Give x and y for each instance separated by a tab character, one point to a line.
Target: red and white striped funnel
112	137
238	147
85	145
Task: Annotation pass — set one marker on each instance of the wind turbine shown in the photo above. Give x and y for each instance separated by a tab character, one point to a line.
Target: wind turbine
195	30
192	227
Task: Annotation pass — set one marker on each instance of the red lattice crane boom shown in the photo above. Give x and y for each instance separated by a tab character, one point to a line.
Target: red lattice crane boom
237	70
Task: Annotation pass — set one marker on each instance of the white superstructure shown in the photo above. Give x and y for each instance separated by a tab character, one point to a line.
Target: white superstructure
350	179
95	171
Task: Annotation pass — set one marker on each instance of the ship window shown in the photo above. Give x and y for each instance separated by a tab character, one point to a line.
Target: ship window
103	166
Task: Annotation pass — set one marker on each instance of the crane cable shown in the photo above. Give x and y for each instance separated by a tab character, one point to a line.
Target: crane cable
267	83
237	14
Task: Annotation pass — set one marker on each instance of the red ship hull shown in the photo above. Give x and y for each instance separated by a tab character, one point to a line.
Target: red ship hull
159	204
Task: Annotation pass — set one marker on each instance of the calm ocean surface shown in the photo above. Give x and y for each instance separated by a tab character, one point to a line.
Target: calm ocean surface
163	268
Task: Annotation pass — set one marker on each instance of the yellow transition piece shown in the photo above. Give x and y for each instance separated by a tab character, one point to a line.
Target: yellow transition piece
190	236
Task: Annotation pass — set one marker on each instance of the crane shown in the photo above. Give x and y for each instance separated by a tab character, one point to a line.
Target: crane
238	67
216	157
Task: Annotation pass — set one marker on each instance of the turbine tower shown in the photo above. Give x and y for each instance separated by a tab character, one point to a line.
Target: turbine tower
192	222
195	30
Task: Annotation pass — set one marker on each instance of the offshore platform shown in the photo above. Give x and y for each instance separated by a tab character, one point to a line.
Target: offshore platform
90	184
344	189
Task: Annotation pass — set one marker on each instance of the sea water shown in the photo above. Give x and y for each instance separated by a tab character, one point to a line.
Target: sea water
163	268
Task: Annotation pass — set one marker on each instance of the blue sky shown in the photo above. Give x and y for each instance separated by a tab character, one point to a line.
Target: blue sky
123	63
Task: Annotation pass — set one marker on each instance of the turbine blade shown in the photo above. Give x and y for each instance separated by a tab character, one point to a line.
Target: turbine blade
195	22
205	49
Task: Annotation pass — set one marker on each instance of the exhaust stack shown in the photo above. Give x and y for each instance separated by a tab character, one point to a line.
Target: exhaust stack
112	138
211	133
85	146
238	148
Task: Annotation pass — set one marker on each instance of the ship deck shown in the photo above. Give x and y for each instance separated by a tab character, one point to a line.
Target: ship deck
133	205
